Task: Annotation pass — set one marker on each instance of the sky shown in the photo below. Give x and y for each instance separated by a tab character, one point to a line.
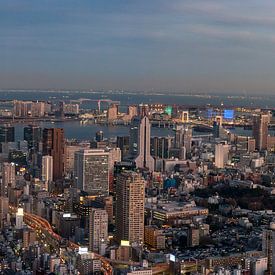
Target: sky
187	46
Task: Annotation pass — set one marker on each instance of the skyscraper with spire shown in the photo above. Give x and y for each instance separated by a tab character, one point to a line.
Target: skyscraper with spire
140	134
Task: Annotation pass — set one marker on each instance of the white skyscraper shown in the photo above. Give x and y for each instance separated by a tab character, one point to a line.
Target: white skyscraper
92	171
19	218
98	230
221	154
47	168
140	134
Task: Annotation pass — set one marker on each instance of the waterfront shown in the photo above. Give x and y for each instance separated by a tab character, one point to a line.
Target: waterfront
127	98
79	131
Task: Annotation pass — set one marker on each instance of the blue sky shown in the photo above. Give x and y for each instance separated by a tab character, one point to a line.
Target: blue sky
176	45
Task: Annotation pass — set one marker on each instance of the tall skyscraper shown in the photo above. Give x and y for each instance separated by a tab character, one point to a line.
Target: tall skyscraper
268	247
33	135
53	145
112	112
260	130
6	133
8	177
19	216
92	171
160	146
130	190
4	210
47	168
98	230
122	142
140	135
221	154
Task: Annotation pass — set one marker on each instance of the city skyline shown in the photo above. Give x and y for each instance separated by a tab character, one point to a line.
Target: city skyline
184	46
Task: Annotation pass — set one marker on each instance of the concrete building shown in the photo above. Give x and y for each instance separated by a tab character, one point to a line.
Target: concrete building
4	210
47	169
98	230
8	177
260	130
130	190
92	171
53	145
19	218
140	135
268	247
112	112
221	154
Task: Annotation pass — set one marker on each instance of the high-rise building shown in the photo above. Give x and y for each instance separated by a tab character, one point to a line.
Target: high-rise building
99	136
33	135
19	218
268	247
160	147
53	145
69	156
98	230
47	169
92	171
112	112
6	133
4	210
260	130
221	154
8	177
130	191
122	142
140	135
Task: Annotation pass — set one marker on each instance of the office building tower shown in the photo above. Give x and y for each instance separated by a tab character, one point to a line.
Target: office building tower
47	169
86	263
216	130
21	108
8	177
92	171
53	145
183	137
160	147
98	230
221	154
140	135
132	111
260	131
268	247
19	218
7	133
33	135
130	189
69	156
99	136
38	109
251	145
122	142
112	112
4	210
